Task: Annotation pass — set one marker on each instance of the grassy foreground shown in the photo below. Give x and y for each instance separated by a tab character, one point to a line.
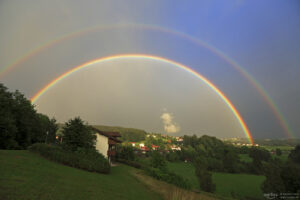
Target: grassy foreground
25	175
228	185
171	192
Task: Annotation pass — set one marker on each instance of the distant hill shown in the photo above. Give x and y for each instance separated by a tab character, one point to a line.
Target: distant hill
266	142
128	134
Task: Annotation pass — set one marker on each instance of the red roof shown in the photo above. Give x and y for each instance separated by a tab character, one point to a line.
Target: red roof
154	146
145	148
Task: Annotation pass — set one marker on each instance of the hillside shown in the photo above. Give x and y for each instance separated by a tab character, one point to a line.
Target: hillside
128	134
25	175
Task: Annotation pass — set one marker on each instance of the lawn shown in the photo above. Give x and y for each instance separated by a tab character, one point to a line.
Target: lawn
285	151
245	158
238	185
24	175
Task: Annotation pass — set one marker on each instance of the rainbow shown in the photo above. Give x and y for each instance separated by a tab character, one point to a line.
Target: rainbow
274	108
151	57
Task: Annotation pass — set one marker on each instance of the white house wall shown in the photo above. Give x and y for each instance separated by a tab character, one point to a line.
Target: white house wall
102	144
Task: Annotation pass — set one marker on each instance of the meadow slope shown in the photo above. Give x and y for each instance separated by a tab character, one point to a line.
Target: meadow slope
25	175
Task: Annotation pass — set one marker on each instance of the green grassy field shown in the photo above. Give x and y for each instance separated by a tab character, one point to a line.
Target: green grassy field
285	151
245	158
239	185
24	175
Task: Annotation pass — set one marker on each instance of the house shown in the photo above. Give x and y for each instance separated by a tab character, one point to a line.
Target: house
106	143
133	143
175	148
155	147
142	145
179	139
144	149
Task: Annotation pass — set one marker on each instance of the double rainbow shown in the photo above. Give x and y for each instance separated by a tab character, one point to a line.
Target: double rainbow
267	98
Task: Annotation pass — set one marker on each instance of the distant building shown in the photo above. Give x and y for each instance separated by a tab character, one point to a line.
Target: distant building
142	145
155	147
179	139
106	143
144	149
133	143
175	148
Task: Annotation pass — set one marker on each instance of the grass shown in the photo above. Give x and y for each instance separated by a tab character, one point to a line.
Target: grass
228	185
238	185
282	148
245	158
171	192
285	151
25	175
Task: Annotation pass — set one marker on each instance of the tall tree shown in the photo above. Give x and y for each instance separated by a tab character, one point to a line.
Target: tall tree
204	176
8	129
78	135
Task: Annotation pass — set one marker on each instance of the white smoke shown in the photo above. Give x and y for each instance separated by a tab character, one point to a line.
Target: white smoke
169	126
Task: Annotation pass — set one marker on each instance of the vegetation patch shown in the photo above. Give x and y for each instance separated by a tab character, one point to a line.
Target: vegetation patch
229	185
87	160
25	175
169	177
238	185
245	158
171	192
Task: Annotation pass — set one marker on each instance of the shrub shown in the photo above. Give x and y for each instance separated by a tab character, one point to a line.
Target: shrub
83	159
158	161
125	153
168	177
130	163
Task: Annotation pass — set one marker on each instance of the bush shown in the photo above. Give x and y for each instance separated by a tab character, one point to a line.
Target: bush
168	177
130	163
125	153
87	160
158	161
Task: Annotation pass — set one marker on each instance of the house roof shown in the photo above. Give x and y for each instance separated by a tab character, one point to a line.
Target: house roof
110	135
145	148
113	134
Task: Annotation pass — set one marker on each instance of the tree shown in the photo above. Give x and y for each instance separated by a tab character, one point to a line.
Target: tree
258	155
158	161
24	115
278	152
281	178
230	160
125	152
273	182
20	124
290	175
8	127
204	176
78	135
45	129
295	155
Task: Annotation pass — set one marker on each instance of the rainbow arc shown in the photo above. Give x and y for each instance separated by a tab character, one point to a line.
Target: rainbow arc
151	57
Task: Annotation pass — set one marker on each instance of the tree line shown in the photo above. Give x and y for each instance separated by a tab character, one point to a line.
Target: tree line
20	124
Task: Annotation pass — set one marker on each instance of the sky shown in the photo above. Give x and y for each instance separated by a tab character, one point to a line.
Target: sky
40	40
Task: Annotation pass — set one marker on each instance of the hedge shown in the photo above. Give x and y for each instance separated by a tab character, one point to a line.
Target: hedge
91	161
130	163
168	177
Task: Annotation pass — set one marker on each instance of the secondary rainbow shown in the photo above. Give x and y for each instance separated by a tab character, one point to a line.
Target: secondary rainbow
152	57
267	98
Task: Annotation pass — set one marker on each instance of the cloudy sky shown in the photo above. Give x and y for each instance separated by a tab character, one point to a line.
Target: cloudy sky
40	40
